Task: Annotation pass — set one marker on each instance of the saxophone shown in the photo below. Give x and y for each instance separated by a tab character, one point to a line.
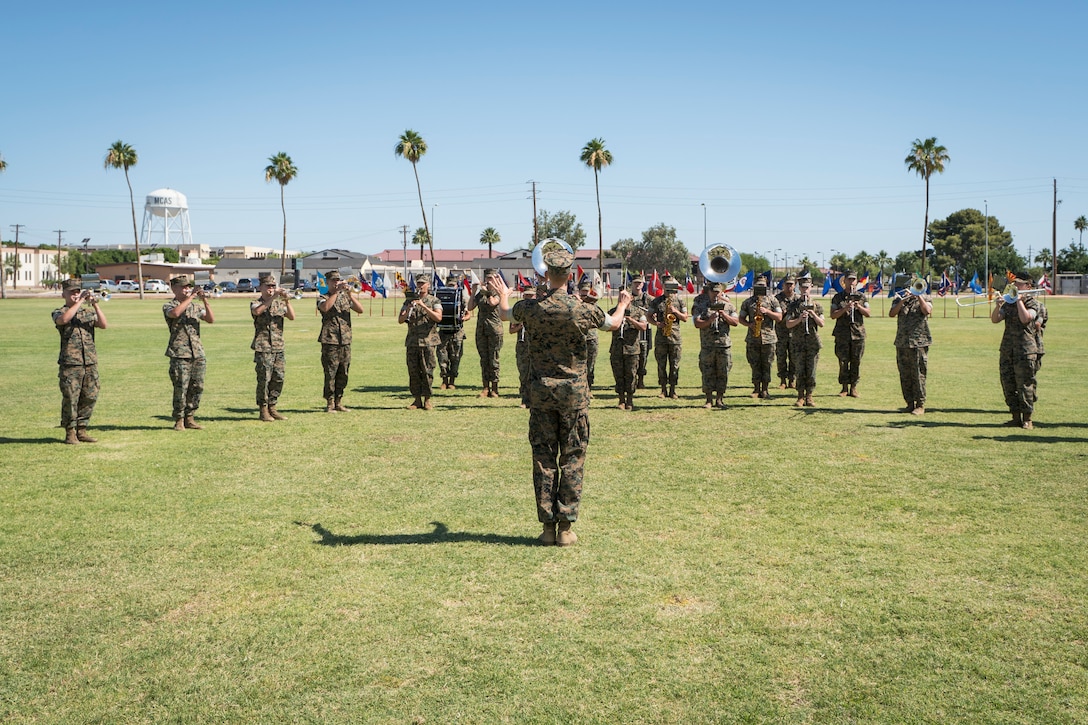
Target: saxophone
670	318
758	317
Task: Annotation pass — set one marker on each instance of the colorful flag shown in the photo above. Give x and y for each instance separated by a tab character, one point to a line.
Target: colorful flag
655	288
581	276
945	284
437	281
523	282
746	282
863	282
827	285
322	284
377	284
412	282
1044	283
878	284
974	284
689	285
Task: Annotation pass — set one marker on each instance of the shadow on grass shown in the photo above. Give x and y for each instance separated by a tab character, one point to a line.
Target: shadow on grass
440	535
4	440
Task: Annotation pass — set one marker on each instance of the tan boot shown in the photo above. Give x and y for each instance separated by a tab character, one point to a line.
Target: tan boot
265	416
563	535
494	388
485	391
81	434
672	392
417	404
191	423
1016	421
853	391
450	385
179	424
547	537
330	405
845	391
71	438
275	413
339	406
427	404
800	402
1026	424
808	401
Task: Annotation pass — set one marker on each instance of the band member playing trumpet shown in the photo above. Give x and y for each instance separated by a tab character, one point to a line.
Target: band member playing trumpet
641	300
714	315
666	313
805	317
849	310
624	354
422	314
759	313
186	352
521	351
78	359
589	296
787	371
336	306
912	341
268	312
488	334
1019	351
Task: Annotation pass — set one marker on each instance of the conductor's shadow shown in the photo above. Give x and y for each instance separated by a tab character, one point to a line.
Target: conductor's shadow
5	439
440	535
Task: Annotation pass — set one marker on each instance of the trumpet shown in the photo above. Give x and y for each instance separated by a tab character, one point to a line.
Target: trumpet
295	294
90	284
916	289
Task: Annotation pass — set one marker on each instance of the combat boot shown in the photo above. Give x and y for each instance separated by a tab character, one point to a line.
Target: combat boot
71	438
664	392
709	402
630	401
81	434
330	405
265	416
339	406
450	385
845	391
427	404
416	404
781	383
494	388
563	535
485	391
853	391
672	392
179	424
275	413
1017	420
190	422
547	537
1026	424
808	401
800	402
443	386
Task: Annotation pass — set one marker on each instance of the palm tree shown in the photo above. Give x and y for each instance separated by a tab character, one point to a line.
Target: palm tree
882	261
280	168
926	157
596	157
1043	257
411	146
422	237
490	237
123	156
1080	224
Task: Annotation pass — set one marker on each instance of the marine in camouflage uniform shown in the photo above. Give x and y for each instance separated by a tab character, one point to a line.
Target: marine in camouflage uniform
912	341
1019	353
269	355
451	341
641	300
624	353
336	307
805	317
488	335
849	333
1041	318
760	351
558	390
78	360
787	372
589	296
422	314
668	349
187	362
521	351
715	345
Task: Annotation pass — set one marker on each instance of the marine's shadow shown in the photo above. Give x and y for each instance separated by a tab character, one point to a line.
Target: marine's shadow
440	535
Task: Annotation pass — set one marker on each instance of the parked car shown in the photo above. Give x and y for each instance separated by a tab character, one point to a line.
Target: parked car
248	284
155	285
308	285
127	285
227	286
108	285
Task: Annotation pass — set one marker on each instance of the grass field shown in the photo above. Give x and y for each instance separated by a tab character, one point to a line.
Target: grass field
760	564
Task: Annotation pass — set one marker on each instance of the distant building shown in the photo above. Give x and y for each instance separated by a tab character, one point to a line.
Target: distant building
34	267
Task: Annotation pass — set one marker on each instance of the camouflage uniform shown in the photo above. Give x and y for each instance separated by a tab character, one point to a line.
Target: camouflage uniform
420	343
335	339
1018	358
1040	328
715	346
187	361
912	341
521	357
451	346
78	363
849	334
787	369
760	351
488	339
805	346
667	350
268	349
645	338
624	352
558	398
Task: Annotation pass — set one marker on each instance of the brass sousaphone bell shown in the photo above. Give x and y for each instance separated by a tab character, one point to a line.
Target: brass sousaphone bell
720	263
543	246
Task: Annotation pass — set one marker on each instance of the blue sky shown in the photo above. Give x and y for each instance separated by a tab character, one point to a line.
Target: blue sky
789	121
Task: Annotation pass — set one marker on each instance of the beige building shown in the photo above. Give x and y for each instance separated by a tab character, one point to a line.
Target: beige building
29	267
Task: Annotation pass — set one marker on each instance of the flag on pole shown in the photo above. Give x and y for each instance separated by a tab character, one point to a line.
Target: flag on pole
656	290
598	284
581	276
436	281
878	284
322	284
863	282
746	282
974	284
412	282
689	285
1044	283
827	285
377	284
945	284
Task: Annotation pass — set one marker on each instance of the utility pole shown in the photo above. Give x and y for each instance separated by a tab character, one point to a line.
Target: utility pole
60	248
15	259
536	232
1054	240
404	230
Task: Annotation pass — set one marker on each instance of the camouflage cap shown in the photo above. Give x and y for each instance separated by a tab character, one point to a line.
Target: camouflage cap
423	279
1023	277
805	276
181	279
638	279
267	278
70	284
529	292
490	272
557	258
585	286
789	279
849	274
671	285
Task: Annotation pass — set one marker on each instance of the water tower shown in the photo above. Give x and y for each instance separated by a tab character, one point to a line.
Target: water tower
166	220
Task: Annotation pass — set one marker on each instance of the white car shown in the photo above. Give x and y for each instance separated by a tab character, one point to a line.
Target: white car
155	285
127	285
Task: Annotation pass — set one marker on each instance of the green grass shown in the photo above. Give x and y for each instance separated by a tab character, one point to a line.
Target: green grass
760	564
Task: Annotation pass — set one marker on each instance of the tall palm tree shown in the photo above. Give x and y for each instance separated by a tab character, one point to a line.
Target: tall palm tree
280	168
1043	258
596	157
421	238
123	156
882	261
411	146
925	158
1080	224
3	290
490	237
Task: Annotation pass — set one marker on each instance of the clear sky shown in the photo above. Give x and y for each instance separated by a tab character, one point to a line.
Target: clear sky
790	120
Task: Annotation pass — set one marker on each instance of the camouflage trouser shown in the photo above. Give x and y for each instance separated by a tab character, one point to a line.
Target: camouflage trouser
449	355
78	394
335	361
787	369
760	357
913	363
806	360
489	346
559	441
625	371
271	368
715	364
187	375
1018	379
521	356
849	352
643	355
421	364
591	358
668	363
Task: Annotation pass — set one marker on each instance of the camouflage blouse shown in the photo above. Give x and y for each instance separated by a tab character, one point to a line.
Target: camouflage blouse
268	325
184	331
77	338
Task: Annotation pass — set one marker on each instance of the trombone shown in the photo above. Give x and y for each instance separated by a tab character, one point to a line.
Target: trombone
1011	293
917	288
